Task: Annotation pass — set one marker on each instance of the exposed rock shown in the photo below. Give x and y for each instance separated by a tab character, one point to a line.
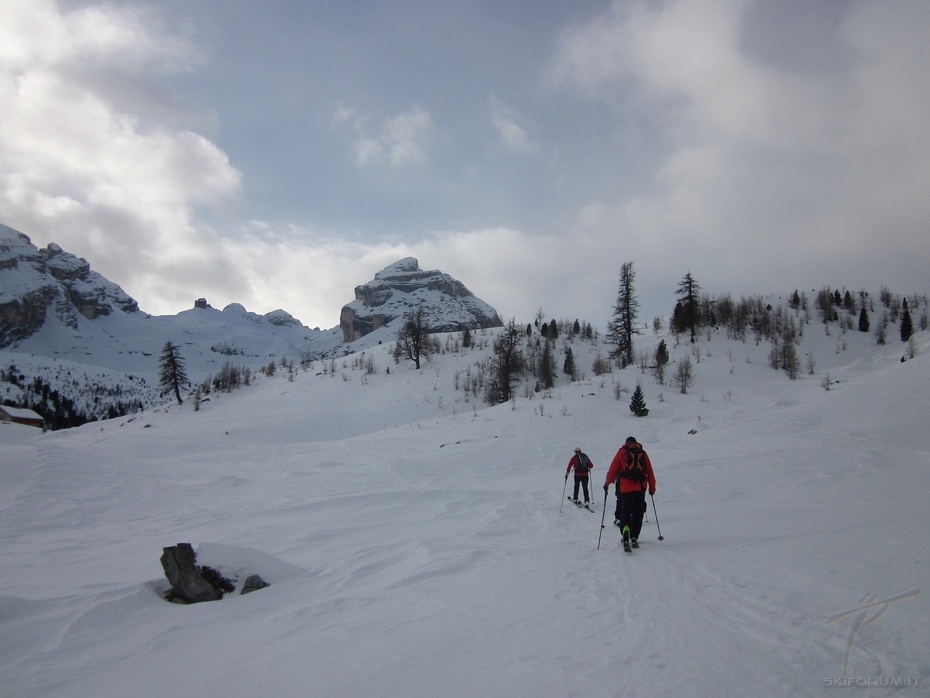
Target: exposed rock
280	318
188	584
253	583
38	284
399	288
191	583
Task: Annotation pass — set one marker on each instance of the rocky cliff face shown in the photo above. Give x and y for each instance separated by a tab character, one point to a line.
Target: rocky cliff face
38	284
402	287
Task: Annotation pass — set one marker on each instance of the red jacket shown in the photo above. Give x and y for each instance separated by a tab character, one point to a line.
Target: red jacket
618	465
574	462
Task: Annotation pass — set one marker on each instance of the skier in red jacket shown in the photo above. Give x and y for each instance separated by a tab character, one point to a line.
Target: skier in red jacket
631	473
582	465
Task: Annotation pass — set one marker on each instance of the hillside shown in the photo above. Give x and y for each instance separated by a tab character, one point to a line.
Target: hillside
75	347
417	541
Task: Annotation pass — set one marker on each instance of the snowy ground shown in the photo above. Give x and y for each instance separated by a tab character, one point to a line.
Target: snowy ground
416	547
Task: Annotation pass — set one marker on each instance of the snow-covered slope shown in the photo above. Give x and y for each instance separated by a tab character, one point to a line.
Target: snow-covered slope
57	315
418	542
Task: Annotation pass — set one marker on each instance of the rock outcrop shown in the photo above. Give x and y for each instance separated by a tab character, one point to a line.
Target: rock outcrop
402	287
35	284
193	583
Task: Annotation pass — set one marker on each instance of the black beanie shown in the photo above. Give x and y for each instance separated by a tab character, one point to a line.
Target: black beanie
631	439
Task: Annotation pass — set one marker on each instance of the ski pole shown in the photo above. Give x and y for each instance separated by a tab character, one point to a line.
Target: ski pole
661	537
603	514
563	493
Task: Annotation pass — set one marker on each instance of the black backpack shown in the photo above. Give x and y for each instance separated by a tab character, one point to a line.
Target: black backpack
635	464
582	465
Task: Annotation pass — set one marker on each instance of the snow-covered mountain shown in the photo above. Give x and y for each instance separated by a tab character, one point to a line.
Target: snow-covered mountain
49	286
66	324
418	542
53	304
401	287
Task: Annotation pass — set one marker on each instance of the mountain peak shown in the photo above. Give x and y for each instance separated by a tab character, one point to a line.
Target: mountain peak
407	265
402	286
38	285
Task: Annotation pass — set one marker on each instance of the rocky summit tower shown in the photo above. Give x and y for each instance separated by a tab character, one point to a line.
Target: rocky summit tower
402	288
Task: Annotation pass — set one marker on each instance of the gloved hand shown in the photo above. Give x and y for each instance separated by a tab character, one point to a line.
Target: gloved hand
606	487
566	477
652	491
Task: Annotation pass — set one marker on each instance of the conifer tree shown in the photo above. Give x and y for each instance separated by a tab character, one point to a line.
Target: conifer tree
172	375
907	326
569	366
686	315
661	360
863	319
622	326
662	353
638	403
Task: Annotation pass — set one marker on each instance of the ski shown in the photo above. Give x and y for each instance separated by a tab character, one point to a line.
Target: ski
581	505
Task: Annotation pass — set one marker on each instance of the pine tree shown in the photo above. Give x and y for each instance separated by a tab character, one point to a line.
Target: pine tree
622	326
662	353
907	326
661	360
638	403
686	311
849	303
863	319
172	374
569	366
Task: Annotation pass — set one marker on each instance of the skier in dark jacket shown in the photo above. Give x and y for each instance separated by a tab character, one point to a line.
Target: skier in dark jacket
631	473
582	465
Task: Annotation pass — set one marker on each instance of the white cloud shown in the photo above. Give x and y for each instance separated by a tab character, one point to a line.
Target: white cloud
79	170
311	274
400	141
765	169
404	136
514	138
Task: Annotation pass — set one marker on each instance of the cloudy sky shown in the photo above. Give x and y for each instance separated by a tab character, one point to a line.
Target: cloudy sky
278	153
